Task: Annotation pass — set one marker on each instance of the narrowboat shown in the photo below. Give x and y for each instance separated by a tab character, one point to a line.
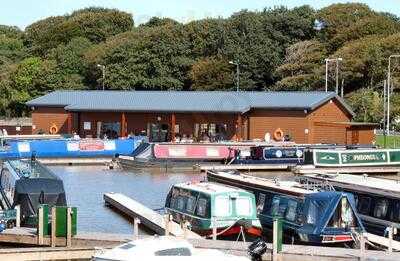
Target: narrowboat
377	200
207	205
271	155
353	157
28	183
310	213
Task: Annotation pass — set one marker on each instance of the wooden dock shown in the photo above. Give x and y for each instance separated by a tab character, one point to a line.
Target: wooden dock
245	167
85	244
148	217
45	253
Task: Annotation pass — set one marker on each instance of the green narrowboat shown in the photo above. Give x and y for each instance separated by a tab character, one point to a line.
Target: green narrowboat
207	205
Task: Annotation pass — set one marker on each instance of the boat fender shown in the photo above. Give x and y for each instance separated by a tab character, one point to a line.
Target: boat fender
278	134
244	223
53	129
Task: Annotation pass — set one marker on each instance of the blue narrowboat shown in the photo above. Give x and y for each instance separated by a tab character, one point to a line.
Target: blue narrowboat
68	148
311	213
377	199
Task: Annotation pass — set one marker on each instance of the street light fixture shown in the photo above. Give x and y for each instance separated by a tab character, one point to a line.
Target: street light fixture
388	89
237	64
103	70
327	61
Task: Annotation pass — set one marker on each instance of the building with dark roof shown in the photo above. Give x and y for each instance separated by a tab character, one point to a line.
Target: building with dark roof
305	117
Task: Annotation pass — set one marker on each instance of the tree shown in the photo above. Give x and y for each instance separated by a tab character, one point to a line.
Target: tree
302	67
367	103
95	24
339	17
212	73
157	21
156	58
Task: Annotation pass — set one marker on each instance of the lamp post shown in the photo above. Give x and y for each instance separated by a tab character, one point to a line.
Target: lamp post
237	73
103	70
389	87
327	61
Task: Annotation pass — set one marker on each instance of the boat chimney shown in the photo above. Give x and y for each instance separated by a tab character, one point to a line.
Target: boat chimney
365	176
276	181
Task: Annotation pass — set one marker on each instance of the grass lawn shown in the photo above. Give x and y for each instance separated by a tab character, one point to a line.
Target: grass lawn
392	141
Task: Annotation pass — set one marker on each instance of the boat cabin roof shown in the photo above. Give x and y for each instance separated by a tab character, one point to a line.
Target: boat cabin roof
29	169
293	187
361	182
209	188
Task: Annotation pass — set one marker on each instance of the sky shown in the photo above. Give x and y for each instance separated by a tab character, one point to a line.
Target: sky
24	12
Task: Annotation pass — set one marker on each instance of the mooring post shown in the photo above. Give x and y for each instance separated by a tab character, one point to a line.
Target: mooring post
167	220
40	226
69	227
277	238
362	247
18	216
136	222
390	247
214	228
53	226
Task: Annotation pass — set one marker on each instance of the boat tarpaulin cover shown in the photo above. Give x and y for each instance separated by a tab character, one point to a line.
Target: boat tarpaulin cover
29	193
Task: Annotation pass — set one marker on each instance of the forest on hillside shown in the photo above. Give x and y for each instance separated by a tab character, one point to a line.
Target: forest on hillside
278	49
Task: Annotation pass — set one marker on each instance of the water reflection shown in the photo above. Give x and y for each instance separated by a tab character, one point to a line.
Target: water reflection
85	186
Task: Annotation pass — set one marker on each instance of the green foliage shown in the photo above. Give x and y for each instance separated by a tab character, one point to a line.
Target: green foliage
367	104
157	21
277	49
301	70
211	74
95	24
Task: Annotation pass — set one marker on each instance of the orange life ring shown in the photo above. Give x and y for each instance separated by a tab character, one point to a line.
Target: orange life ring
278	134
53	129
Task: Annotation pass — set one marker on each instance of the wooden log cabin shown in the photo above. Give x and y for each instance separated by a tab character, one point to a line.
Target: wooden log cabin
303	117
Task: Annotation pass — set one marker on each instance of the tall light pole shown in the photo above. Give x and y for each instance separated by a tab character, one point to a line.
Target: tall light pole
237	73
389	87
327	61
103	70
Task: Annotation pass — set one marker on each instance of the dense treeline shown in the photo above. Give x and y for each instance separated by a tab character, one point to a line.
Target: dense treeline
278	49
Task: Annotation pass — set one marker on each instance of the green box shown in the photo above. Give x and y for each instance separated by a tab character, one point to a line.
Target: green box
61	221
45	225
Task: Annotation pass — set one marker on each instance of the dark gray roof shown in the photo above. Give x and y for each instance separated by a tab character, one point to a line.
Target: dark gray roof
183	101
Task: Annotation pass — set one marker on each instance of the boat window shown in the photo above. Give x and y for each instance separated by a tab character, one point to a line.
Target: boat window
395	214
182	251
261	202
381	208
190	204
279	206
275	206
364	205
222	206
315	211
201	207
291	212
243	206
180	203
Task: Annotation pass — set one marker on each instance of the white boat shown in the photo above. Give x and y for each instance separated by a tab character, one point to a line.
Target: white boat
163	248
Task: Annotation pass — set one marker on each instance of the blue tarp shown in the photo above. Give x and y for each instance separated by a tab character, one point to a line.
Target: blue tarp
65	148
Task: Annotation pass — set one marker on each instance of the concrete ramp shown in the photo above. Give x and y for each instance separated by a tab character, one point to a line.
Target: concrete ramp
148	217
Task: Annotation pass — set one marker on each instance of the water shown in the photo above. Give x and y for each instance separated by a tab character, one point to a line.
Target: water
85	186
